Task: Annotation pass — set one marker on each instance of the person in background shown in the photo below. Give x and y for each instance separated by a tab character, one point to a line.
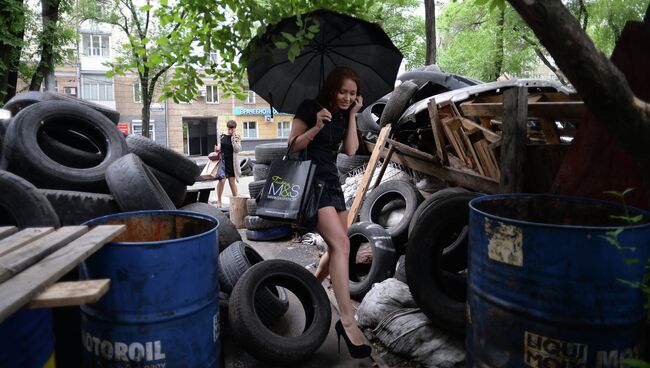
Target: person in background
324	126
229	145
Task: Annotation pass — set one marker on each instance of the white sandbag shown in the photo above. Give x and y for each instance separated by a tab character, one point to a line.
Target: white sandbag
384	298
409	332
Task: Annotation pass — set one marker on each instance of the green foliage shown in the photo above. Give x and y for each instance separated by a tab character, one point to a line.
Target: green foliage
468	41
607	19
636	363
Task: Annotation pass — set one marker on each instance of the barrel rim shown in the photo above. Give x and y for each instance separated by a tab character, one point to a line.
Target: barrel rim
103	219
491	197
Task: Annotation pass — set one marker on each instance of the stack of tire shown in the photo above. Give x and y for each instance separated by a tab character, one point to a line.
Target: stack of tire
257	228
66	162
246	166
432	237
253	301
345	164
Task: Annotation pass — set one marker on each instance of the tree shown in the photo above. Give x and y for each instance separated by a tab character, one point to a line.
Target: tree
430	30
404	28
602	86
12	31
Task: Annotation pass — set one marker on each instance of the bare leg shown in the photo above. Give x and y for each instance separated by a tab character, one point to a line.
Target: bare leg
323	269
220	185
338	244
232	181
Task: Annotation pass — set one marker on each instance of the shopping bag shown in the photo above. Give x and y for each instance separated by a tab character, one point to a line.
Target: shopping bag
290	193
221	171
210	170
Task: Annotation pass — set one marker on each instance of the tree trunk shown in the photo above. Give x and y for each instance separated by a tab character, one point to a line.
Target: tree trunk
46	65
430	25
498	47
602	86
10	51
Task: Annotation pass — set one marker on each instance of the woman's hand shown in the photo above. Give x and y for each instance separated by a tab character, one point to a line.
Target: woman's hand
356	105
323	117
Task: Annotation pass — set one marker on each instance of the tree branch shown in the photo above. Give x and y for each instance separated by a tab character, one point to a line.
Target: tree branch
558	73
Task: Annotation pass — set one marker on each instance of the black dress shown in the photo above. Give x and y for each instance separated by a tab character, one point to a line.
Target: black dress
227	152
323	150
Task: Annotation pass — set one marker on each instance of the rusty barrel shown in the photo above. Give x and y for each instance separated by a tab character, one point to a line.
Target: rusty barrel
549	282
162	307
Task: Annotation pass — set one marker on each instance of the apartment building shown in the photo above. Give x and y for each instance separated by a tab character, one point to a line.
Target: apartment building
191	128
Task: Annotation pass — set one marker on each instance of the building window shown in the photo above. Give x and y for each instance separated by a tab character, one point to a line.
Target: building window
250	97
136	128
284	128
95	45
70	91
137	93
211	94
250	129
213	57
97	88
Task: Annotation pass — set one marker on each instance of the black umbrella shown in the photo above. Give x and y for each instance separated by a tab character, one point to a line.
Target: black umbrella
341	41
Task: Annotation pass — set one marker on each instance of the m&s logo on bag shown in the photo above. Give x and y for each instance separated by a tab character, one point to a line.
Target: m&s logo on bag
283	190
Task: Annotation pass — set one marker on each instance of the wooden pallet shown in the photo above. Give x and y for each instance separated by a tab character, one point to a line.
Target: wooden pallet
33	259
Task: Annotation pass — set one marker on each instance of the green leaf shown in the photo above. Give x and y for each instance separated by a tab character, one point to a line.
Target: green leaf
146	8
289	36
281	44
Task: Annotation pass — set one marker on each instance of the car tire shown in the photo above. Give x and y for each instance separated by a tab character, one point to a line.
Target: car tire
267	152
111	114
175	189
255	188
384	257
398	103
228	233
22	205
273	233
260	341
22	100
345	163
163	158
260	172
68	155
251	206
258	223
75	208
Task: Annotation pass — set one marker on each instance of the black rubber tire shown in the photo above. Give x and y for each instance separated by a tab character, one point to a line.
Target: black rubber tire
135	187
245	164
26	159
163	158
398	103
228	233
267	152
273	233
251	206
175	189
440	295
234	261
366	121
260	341
4	124
260	172
22	100
75	208
68	155
345	163
433	199
111	114
255	188
258	223
22	205
384	257
224	299
389	193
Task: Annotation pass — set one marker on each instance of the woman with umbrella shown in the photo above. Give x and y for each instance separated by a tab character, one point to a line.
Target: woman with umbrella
320	126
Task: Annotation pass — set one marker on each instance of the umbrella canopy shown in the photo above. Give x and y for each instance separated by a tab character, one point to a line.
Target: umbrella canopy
341	41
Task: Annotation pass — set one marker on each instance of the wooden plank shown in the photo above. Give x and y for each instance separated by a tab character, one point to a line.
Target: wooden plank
571	110
550	131
487	133
65	294
370	169
23	257
472	153
401	147
384	165
513	146
22	237
5	231
19	290
438	135
450	126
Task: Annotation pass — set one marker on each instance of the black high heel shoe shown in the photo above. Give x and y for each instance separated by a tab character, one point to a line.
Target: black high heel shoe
356	351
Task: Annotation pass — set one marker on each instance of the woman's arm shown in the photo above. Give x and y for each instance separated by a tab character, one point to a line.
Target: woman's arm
351	140
236	143
305	134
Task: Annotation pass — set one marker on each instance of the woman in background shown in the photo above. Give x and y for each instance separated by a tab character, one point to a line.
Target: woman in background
229	145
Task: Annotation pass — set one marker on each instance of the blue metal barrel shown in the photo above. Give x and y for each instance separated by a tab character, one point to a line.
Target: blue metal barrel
162	307
27	339
546	287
